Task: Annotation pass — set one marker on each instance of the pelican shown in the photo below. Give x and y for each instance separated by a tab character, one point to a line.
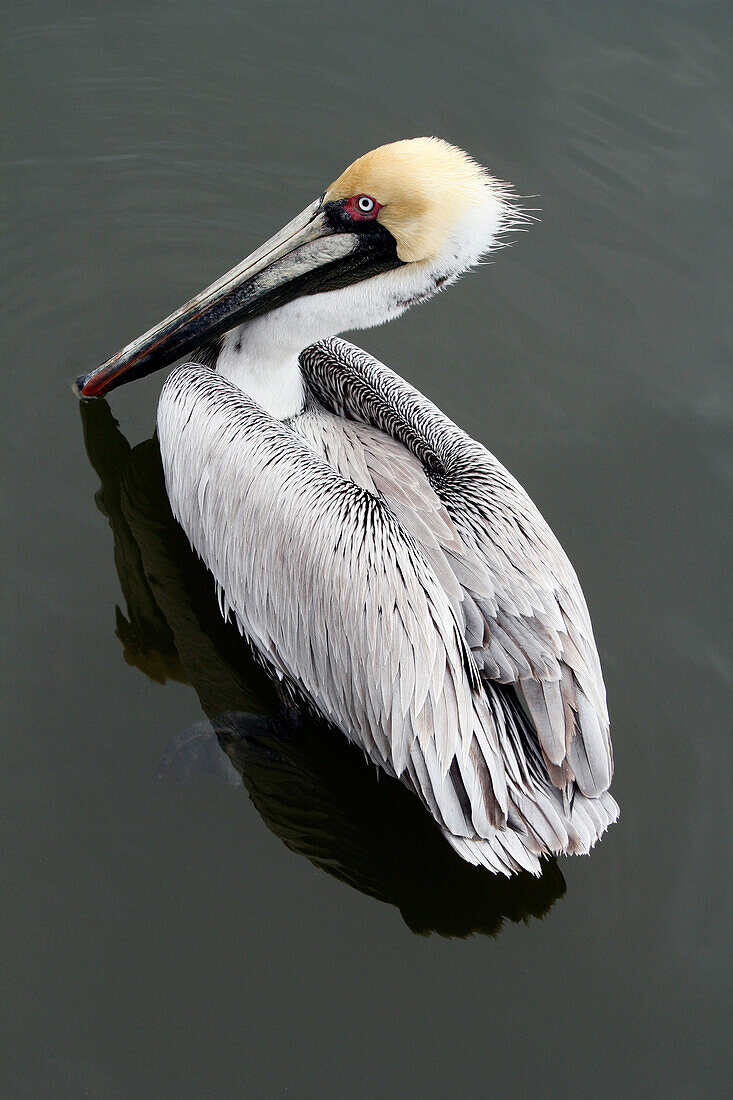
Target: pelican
381	562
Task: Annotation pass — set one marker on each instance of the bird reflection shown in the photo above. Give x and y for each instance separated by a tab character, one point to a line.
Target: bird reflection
312	788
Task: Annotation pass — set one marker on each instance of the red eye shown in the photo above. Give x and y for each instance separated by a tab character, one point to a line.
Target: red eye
362	207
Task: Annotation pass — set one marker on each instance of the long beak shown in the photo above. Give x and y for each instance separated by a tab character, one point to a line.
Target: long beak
311	254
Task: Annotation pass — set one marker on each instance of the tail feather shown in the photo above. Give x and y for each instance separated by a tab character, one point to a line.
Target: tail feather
541	819
496	854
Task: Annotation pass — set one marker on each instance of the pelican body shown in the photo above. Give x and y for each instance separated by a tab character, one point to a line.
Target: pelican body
379	560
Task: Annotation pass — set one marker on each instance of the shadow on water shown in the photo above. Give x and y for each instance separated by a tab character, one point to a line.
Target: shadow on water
312	788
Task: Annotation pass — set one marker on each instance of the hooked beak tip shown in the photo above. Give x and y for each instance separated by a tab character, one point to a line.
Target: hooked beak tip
79	387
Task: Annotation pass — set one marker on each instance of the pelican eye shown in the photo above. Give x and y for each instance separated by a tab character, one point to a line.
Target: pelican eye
358	212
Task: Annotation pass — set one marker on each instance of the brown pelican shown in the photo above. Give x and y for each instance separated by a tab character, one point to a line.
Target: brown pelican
378	559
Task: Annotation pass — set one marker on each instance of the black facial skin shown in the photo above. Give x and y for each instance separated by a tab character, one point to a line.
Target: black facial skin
376	252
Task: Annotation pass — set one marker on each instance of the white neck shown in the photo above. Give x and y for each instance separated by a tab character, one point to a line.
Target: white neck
265	367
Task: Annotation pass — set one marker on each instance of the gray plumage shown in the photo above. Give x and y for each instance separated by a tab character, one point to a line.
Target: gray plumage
390	568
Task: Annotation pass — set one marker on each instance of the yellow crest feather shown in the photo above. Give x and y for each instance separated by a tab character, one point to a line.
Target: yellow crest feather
423	184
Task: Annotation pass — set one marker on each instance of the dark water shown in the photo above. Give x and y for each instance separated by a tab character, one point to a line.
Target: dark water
164	934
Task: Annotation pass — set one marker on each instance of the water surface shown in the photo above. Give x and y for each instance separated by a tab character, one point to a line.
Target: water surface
165	933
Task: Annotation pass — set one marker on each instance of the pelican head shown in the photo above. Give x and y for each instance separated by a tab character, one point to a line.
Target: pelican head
400	223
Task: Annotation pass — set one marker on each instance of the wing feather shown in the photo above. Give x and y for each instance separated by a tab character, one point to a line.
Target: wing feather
521	607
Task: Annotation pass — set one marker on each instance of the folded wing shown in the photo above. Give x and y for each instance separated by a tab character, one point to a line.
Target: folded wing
382	604
524	614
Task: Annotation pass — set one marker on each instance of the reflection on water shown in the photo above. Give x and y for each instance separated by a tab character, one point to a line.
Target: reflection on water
312	788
